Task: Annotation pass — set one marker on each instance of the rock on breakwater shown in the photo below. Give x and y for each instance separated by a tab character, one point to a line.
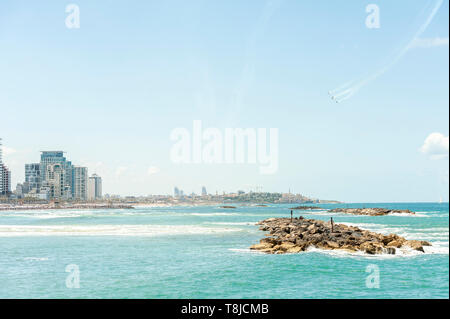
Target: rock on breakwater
298	234
371	211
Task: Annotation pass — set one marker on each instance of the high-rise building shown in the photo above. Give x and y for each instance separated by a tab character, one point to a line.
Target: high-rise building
80	183
5	175
5	181
33	176
54	165
204	193
95	187
1	167
176	192
55	181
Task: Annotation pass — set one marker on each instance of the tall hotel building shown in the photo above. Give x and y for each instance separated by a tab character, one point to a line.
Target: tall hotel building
56	174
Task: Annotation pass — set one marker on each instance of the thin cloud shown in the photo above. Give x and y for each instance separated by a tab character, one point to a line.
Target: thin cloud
8	150
152	170
436	146
120	170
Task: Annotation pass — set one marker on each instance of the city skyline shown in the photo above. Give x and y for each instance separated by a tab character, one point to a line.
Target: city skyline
93	186
113	107
53	178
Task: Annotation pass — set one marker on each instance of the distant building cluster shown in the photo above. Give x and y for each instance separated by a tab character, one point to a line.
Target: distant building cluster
179	193
5	176
239	196
56	178
296	198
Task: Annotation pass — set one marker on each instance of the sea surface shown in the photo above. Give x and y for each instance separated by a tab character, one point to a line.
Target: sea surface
202	252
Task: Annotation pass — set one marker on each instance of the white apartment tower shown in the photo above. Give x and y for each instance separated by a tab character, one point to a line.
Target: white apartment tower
95	187
80	183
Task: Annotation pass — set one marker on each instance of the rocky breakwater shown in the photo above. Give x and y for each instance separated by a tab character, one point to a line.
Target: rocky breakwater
298	234
370	211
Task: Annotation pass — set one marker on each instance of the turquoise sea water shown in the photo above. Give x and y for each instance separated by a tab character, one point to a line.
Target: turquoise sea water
202	252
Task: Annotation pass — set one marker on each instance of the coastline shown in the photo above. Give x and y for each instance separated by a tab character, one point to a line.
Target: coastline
130	205
15	207
6	207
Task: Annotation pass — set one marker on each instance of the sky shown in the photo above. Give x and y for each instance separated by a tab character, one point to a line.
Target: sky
111	92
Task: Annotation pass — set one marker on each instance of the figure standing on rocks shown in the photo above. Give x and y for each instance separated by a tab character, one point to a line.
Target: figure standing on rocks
291	215
332	225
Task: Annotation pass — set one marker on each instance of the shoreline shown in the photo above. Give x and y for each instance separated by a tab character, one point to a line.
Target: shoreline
374	211
63	207
14	207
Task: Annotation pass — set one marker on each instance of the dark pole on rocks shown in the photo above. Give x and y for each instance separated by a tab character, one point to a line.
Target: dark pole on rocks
291	215
332	225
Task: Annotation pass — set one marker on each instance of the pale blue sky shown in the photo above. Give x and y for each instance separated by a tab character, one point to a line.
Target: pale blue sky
110	93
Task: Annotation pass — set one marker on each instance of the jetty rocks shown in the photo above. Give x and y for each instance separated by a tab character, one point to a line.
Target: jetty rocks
298	234
370	211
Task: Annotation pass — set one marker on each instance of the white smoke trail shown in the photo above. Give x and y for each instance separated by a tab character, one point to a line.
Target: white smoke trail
349	92
345	85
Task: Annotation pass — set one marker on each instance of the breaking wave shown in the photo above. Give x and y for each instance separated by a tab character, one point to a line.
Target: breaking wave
110	230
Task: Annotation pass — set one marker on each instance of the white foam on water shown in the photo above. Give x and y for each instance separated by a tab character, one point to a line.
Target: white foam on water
432	233
212	214
434	214
399	253
429	212
338	253
36	258
437	248
110	230
231	223
246	251
365	225
54	214
438	237
417	214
